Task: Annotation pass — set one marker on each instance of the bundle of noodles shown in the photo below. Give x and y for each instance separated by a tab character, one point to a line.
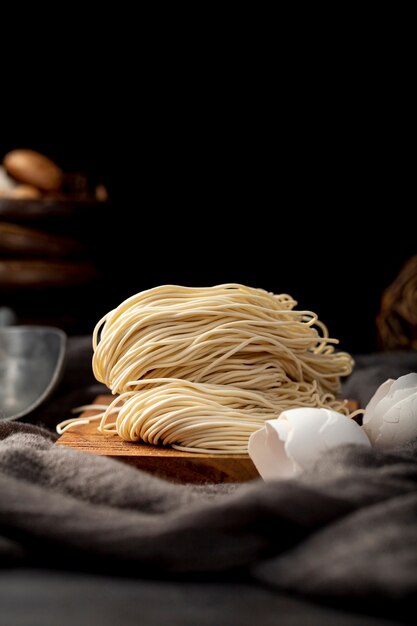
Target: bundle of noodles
201	369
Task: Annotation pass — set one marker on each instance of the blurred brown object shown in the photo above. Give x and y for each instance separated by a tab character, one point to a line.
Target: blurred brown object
33	168
76	184
101	193
21	192
50	255
26	174
21	241
6	182
36	274
397	319
48	210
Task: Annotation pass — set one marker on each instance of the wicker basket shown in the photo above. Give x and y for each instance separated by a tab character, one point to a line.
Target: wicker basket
397	319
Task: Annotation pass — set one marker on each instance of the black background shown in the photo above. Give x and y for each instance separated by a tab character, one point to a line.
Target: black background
303	194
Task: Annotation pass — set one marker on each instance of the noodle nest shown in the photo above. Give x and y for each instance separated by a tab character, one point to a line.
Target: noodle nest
201	369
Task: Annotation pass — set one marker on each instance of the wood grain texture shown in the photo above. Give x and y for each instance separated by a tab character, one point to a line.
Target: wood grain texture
173	465
51	210
20	241
40	274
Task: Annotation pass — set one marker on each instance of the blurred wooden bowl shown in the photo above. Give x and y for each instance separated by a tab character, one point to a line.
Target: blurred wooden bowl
52	209
17	241
36	274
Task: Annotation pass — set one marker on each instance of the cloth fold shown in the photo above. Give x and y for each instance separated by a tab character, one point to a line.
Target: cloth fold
347	528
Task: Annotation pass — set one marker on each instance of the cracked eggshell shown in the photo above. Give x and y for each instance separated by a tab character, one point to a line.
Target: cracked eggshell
390	417
287	445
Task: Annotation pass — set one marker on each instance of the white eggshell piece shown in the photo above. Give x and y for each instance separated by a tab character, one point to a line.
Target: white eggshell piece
392	398
400	423
338	431
409	381
391	415
304	442
285	446
268	453
282	427
370	423
380	393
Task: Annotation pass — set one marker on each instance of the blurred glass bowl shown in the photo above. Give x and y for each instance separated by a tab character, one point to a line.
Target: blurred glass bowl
31	363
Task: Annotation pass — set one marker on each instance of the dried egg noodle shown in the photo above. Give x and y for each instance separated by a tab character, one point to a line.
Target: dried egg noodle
202	369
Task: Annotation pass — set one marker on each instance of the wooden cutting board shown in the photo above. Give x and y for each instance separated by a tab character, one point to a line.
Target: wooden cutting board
176	466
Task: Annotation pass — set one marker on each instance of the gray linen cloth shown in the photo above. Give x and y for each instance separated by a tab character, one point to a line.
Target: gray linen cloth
344	534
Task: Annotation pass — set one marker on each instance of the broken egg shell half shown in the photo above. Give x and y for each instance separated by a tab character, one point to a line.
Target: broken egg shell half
390	417
285	446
